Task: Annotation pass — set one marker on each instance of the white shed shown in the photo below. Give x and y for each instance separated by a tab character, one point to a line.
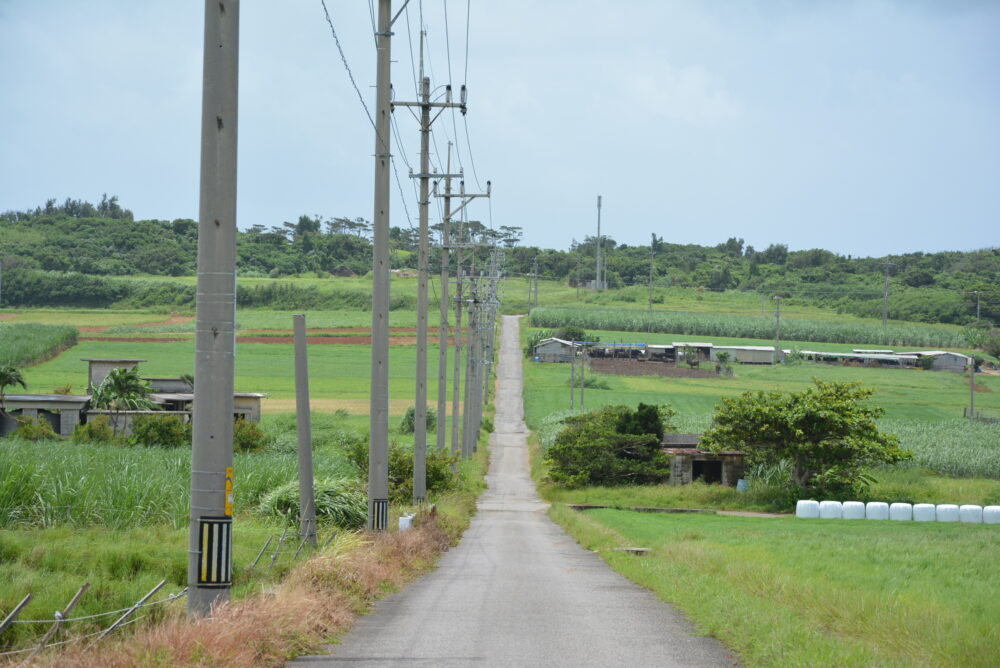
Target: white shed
945	360
747	354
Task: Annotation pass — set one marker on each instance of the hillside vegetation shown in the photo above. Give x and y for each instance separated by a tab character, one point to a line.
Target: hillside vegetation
104	240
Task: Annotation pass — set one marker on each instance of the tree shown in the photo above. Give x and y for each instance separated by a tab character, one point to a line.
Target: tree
614	445
10	376
827	433
122	390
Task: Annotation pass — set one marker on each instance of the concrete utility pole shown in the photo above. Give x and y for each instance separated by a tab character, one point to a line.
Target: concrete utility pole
471	367
307	497
599	281
378	445
210	539
777	329
972	388
976	291
885	295
583	372
442	402
534	276
459	246
649	318
420	402
572	379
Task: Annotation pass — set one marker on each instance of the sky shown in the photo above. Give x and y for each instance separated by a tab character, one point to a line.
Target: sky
863	127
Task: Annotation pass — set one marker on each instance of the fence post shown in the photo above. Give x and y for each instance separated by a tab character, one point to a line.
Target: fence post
60	616
9	619
128	612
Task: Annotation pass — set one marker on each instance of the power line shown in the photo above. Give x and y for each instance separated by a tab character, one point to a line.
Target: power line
343	59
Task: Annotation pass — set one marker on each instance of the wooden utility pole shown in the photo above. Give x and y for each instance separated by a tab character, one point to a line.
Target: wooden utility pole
378	444
210	537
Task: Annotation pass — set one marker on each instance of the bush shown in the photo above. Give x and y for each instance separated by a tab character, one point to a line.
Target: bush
34	429
339	500
407	425
487	425
96	430
249	437
591	383
439	464
160	431
614	445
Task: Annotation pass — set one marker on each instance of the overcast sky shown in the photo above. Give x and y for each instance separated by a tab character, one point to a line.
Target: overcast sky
863	127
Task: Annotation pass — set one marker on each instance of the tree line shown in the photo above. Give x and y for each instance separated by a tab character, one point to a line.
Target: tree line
105	240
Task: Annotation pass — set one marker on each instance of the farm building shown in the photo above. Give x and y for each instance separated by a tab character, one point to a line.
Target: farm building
64	411
556	350
688	462
946	360
899	360
747	354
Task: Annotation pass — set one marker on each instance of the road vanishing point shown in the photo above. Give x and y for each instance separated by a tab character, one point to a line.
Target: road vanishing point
518	591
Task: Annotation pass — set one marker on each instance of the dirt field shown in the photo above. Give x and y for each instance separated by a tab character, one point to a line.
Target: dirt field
636	368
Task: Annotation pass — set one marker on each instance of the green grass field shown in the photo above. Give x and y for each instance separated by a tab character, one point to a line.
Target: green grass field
790	592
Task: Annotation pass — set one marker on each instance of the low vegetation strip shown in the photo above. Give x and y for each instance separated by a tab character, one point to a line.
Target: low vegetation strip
957	447
817	593
43	483
24	344
744	326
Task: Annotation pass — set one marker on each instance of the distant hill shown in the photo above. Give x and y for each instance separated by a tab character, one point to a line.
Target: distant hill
105	240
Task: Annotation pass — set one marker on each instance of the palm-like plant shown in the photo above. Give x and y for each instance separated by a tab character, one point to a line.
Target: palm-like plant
10	376
122	390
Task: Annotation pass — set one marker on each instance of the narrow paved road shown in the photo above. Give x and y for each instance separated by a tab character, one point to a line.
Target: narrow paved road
517	591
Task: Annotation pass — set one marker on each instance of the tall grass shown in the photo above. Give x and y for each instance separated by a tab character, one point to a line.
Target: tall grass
24	344
44	483
958	447
746	326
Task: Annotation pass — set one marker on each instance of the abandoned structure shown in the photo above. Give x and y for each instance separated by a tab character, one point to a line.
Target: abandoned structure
64	412
688	462
556	350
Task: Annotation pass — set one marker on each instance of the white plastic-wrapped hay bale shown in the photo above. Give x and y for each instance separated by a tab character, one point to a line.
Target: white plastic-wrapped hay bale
877	510
830	510
923	512
901	512
807	509
854	510
991	515
946	512
971	514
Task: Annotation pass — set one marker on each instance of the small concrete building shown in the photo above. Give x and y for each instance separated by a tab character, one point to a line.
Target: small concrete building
556	350
688	462
169	385
98	369
62	411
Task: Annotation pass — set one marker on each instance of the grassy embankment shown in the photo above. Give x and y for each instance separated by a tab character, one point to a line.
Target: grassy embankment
788	592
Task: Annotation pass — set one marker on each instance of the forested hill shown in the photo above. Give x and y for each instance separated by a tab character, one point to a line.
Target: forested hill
105	240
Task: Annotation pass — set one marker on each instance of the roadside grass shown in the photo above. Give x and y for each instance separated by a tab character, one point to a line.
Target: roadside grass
818	593
24	344
87	317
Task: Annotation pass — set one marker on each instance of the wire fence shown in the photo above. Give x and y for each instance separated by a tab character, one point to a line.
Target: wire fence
289	546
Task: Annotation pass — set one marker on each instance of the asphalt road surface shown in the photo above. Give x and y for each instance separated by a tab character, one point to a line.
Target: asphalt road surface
517	591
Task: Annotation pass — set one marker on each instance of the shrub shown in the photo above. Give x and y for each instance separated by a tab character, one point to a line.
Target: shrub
249	437
96	430
534	338
487	425
161	431
591	383
440	477
34	429
339	500
614	445
826	432
407	425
